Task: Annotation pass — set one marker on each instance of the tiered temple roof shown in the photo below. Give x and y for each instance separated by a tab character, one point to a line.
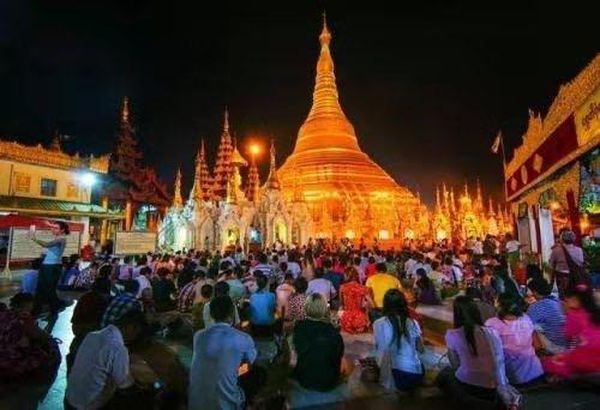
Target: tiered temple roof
129	179
202	187
223	167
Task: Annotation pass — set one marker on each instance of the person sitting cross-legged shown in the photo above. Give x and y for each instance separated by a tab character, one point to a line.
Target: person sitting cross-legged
547	316
379	284
516	332
121	304
101	374
399	337
221	353
319	349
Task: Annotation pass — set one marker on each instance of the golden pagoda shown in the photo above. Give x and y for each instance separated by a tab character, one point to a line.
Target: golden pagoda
347	193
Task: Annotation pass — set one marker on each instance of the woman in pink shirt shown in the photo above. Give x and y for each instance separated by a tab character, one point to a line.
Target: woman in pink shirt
516	333
582	328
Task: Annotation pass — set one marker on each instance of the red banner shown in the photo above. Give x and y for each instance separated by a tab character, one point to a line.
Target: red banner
561	143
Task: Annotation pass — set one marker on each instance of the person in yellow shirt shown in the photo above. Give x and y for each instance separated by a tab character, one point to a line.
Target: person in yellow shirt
378	285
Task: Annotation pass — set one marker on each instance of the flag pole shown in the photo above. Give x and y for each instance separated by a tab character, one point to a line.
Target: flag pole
504	166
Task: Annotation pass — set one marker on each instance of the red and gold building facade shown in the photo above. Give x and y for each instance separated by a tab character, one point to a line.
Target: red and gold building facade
553	179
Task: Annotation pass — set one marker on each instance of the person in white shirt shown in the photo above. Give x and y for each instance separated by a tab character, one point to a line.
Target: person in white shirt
321	285
478	247
101	365
399	336
142	279
293	266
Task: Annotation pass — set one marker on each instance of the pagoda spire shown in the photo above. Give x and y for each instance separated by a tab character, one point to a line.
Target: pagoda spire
452	201
438	203
479	206
326	125
124	159
223	167
490	207
177	200
201	191
253	181
125	111
272	179
226	121
446	199
55	144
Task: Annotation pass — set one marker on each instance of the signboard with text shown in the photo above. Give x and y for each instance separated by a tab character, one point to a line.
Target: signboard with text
23	248
135	242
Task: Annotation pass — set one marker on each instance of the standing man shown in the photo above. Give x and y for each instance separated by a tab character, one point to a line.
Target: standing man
219	351
51	271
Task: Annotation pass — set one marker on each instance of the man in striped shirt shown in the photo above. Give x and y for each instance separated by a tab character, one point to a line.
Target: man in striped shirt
547	316
263	266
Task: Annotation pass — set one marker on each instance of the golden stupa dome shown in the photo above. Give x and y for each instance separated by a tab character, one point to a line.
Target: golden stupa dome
329	170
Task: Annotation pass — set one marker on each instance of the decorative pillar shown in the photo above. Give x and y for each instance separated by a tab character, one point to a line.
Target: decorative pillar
535	210
574	215
128	215
104	229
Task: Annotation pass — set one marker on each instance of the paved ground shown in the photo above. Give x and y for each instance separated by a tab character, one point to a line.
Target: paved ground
170	359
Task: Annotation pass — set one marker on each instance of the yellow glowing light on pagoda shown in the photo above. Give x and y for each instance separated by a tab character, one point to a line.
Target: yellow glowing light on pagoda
254	149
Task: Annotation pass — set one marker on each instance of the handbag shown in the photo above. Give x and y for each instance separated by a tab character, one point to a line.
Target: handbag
370	371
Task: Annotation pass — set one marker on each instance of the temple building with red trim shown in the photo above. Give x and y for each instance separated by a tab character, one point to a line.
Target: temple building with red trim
553	178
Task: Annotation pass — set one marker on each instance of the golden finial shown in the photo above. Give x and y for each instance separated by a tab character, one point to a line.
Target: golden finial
226	120
325	36
272	180
202	150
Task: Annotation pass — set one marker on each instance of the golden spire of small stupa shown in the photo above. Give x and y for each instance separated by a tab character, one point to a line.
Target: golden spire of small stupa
226	121
272	179
177	200
490	207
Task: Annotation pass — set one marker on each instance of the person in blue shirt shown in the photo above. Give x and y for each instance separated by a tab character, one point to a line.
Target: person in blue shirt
51	270
547	316
221	353
262	308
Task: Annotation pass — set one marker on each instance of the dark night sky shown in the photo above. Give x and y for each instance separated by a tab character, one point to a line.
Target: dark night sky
426	87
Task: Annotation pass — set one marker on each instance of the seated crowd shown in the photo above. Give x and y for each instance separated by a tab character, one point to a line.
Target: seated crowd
506	335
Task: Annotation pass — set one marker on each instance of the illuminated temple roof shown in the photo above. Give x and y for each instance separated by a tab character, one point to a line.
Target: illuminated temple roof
327	161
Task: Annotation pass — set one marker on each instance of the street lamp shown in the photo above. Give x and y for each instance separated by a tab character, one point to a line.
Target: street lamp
88	179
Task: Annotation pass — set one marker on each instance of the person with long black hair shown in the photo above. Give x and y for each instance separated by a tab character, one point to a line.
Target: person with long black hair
516	332
399	336
476	357
582	329
51	270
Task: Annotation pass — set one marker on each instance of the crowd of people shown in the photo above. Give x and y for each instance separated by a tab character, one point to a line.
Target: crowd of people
512	326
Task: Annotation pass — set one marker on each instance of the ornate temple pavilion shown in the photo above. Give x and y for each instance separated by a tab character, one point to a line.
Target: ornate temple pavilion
347	193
